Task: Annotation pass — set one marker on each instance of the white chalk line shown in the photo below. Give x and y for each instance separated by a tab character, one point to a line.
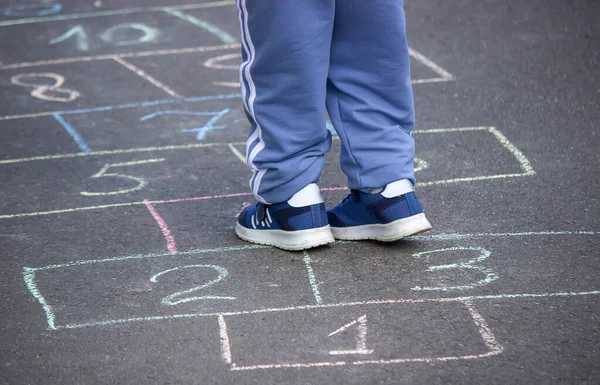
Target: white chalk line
455	236
350	352
227	84
311	277
364	362
223	35
146	76
525	165
144	256
123	11
473	179
72	210
29	278
430	80
451	129
484	329
447	76
215	62
332	305
494	348
162	52
237	153
345	327
224	336
114	152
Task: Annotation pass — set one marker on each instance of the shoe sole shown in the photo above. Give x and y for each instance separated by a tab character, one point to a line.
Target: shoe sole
287	240
388	232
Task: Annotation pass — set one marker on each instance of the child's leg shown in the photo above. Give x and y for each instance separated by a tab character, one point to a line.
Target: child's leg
369	94
370	102
285	46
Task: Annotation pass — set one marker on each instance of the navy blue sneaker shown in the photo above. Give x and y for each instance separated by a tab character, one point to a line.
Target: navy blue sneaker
388	215
298	224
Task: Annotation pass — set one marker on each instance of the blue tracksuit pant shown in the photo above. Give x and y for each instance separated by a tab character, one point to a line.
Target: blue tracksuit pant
301	56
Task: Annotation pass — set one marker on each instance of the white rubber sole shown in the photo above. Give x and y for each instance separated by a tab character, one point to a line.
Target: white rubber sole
388	232
287	240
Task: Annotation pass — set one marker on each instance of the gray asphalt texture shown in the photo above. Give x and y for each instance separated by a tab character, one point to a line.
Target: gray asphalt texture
504	290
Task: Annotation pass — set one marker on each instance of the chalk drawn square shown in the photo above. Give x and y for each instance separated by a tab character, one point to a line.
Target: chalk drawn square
168	122
218	70
153	287
45	90
191	171
97	36
347	334
458	265
467	154
448	155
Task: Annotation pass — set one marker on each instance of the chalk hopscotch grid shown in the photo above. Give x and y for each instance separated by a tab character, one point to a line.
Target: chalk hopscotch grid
31	284
493	348
443	75
113	12
29	273
524	164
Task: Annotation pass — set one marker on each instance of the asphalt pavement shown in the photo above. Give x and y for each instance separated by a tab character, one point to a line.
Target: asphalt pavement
121	165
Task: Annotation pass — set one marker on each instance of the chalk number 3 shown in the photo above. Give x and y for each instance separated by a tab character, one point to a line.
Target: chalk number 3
472	264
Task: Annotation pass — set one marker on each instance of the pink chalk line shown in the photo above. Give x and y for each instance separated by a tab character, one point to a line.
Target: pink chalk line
244	205
171	246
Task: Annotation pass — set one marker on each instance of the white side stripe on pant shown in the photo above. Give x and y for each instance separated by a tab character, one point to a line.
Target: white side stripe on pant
249	104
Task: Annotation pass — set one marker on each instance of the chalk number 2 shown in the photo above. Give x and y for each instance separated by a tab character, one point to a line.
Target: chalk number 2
178	297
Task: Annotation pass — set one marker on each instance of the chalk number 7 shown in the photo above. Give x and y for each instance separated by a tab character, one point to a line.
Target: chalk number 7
141	182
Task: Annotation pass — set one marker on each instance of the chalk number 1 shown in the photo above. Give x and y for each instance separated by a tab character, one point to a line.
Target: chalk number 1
361	337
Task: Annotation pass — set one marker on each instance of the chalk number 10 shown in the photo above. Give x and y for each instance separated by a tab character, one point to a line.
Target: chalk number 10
119	34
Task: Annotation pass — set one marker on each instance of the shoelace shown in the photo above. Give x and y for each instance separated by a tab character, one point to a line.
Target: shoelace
261	211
